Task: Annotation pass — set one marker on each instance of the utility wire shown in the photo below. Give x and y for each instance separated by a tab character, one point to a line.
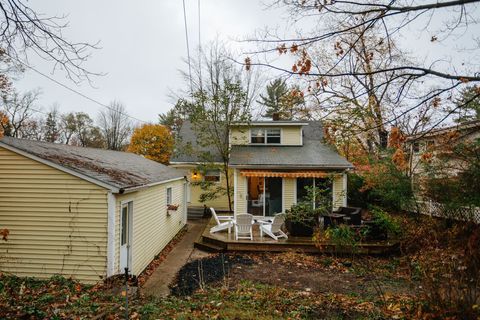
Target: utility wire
73	90
199	47
188	47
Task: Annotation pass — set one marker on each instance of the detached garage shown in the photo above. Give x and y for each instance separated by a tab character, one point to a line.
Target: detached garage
84	213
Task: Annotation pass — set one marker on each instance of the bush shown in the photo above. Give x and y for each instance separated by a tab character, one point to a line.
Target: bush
385	223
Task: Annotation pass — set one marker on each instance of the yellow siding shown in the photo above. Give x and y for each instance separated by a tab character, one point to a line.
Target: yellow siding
57	222
239	136
152	228
289	186
339	191
220	203
290	135
241	193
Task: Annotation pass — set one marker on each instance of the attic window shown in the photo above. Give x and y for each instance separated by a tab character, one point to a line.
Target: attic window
265	136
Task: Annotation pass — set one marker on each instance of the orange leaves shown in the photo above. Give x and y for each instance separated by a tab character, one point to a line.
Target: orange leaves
399	159
4	233
396	138
153	141
304	63
3	122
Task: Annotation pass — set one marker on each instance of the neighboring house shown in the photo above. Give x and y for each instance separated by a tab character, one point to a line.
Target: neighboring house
426	145
82	212
273	162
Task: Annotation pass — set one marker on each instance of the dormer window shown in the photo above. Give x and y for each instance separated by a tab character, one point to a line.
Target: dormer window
265	136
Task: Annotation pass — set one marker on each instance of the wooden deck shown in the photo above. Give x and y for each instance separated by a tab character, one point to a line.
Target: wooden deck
223	241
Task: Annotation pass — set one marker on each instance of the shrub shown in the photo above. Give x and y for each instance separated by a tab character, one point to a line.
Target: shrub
385	222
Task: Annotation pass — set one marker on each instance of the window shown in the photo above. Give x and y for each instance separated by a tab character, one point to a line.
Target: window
258	136
268	136
169	196
306	184
212	175
273	135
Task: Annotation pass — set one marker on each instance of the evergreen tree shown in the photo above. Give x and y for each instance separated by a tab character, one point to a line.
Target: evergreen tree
469	104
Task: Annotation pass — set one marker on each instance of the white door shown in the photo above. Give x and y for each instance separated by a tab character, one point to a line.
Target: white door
126	237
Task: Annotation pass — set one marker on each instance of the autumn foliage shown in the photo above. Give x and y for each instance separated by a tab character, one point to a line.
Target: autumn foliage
3	122
153	141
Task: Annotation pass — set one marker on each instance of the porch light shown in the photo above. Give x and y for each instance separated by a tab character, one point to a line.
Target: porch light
195	174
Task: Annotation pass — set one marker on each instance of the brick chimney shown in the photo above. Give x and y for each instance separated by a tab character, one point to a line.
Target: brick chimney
276	116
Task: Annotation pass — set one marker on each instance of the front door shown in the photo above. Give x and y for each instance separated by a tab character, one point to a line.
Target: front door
126	237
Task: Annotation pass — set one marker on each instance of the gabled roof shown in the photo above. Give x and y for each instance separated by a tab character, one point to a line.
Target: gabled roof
188	149
313	154
114	170
471	126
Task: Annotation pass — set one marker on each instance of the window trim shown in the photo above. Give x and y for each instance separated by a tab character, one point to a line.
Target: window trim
169	197
265	136
219	176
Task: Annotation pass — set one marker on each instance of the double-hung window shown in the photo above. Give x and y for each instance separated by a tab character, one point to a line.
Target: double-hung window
265	136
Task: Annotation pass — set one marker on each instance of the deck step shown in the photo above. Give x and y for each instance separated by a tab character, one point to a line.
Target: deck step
206	246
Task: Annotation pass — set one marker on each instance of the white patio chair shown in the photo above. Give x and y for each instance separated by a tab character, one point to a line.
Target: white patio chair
227	224
273	229
243	226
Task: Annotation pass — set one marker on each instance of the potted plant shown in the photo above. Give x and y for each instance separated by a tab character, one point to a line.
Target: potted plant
301	219
171	209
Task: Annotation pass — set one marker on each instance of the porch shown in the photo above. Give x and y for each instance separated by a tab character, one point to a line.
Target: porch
224	242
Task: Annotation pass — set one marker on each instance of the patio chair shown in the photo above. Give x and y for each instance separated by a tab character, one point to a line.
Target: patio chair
244	226
273	229
227	224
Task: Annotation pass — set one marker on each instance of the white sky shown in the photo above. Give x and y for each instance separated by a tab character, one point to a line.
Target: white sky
143	46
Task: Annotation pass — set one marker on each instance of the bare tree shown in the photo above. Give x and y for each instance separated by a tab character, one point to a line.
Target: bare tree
115	126
22	30
19	109
334	21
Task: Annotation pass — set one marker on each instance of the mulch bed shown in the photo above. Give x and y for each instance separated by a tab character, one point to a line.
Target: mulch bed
198	273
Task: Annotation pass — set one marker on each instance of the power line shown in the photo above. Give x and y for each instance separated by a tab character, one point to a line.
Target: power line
73	90
199	46
188	47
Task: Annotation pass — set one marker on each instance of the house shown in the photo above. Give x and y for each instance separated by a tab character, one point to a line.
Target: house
272	162
200	163
84	213
429	145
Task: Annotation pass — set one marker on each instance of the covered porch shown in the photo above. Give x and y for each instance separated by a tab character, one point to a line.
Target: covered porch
266	192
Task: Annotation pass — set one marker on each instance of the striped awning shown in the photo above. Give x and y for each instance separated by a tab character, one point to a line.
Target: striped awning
284	174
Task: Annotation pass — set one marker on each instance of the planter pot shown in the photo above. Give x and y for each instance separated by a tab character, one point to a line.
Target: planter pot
300	229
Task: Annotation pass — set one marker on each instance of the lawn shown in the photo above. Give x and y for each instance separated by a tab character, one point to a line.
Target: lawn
435	277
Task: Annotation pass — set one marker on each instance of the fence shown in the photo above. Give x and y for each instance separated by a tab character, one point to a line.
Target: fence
441	210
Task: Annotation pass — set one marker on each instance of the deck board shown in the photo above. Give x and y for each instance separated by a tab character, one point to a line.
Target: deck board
227	242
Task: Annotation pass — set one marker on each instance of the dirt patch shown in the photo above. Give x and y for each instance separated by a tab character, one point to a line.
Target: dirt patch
201	272
309	273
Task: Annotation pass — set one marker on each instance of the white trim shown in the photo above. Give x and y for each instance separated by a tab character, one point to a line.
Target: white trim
59	167
295	191
189	163
345	191
111	234
271	123
235	188
130	233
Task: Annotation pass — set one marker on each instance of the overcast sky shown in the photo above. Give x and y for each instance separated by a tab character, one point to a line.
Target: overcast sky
143	47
